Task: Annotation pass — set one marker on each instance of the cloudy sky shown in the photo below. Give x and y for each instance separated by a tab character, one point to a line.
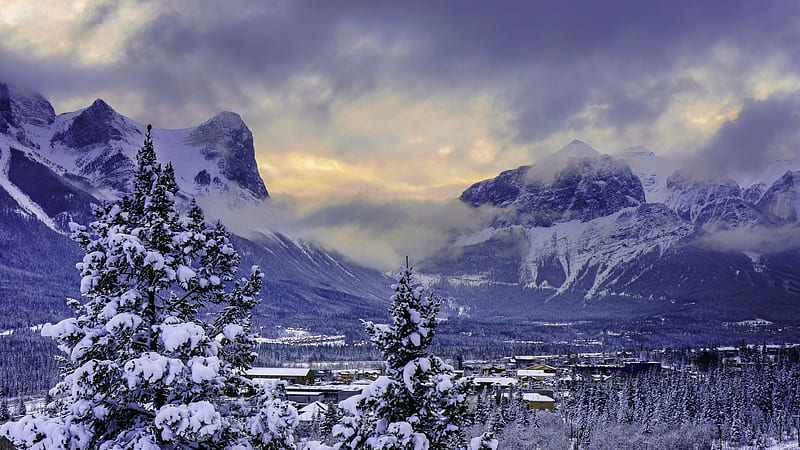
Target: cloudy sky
416	100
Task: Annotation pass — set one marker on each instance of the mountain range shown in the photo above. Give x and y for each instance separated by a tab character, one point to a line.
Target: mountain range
577	236
580	234
54	167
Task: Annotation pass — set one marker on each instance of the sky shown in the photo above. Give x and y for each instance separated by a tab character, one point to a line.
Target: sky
389	102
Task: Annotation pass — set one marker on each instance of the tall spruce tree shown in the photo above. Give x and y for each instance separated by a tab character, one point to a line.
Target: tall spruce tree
156	354
417	404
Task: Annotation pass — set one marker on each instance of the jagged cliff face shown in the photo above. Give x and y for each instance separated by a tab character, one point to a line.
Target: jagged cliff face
226	140
782	199
20	109
99	145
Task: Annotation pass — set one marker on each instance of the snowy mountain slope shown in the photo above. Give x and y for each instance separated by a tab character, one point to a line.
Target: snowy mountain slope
24	204
606	245
54	167
586	233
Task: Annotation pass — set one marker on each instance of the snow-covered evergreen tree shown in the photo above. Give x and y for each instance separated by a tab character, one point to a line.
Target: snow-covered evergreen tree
5	413
417	404
156	354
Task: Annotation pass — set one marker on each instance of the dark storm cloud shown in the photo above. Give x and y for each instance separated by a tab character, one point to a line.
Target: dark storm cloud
764	130
99	14
552	59
549	60
56	74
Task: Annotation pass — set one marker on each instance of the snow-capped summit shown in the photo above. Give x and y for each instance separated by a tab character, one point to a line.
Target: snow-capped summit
226	140
97	125
19	106
576	149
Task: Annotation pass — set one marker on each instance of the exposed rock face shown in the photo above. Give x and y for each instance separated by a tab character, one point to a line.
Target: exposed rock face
33	109
19	108
97	125
689	197
203	178
228	141
6	113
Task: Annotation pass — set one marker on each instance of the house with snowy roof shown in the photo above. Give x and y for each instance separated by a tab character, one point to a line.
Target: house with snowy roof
287	374
312	411
538	401
487	382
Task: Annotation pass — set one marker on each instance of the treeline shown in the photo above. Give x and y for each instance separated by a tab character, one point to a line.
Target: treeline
751	405
754	405
27	364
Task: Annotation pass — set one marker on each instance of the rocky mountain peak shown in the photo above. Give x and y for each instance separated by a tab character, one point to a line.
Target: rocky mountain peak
99	108
582	188
576	149
228	141
98	124
226	119
20	106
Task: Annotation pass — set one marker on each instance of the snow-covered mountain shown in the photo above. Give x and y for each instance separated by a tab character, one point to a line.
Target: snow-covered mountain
589	227
99	144
579	234
570	187
54	166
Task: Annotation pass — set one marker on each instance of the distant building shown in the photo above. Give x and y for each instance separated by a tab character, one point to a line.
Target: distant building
538	401
535	374
304	397
290	375
331	393
635	368
491	369
351	375
521	361
542	367
315	410
486	382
